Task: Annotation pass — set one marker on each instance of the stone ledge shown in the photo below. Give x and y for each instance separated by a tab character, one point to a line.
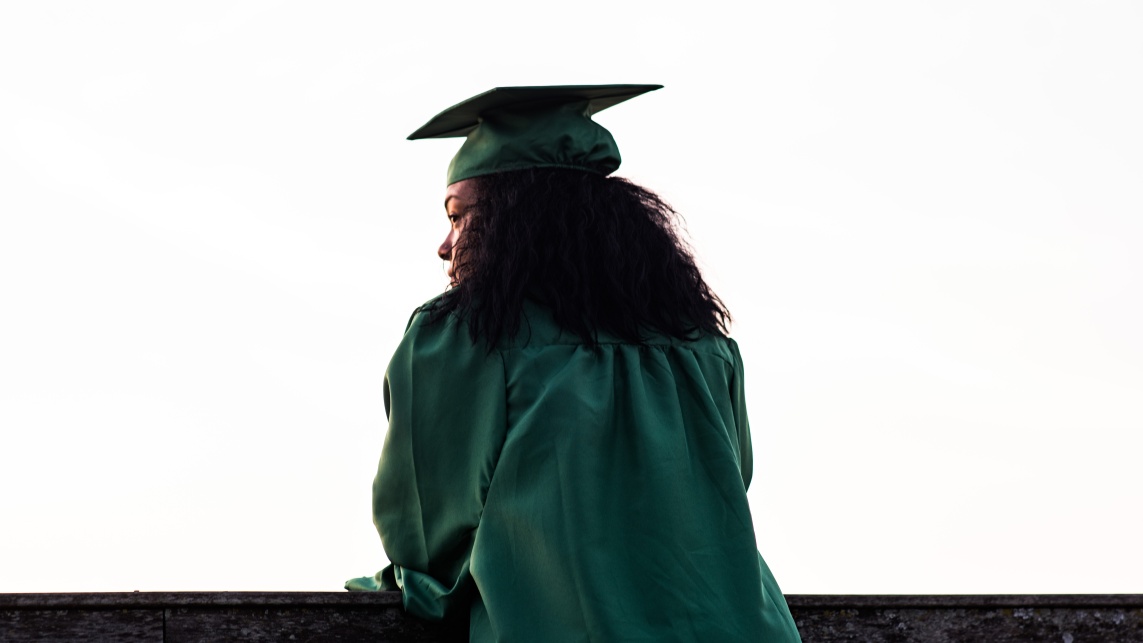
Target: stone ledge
1076	618
320	617
946	601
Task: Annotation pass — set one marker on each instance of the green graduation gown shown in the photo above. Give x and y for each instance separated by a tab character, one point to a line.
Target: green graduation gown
546	491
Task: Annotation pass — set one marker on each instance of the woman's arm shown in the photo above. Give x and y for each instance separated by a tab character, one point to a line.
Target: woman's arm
445	399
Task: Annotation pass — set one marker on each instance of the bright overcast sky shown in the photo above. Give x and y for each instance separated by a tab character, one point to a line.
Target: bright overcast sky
926	218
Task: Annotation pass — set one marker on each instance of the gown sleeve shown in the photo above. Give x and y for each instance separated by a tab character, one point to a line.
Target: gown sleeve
779	623
741	421
445	400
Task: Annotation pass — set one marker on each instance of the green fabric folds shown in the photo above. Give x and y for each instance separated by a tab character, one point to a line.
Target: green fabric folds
545	491
515	128
561	135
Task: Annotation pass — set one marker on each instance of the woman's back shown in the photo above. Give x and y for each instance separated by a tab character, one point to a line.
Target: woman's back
573	493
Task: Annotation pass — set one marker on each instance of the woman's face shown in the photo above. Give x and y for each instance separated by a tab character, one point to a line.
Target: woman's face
459	197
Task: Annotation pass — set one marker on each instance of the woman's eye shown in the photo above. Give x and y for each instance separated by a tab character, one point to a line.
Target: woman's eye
454	217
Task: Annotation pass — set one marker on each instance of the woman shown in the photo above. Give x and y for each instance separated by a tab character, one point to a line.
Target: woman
568	448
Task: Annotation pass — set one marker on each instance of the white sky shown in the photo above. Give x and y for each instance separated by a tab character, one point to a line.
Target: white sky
925	217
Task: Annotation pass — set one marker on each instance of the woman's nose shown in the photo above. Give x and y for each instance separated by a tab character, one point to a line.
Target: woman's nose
445	251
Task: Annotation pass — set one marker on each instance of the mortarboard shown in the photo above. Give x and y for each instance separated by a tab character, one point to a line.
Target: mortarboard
513	128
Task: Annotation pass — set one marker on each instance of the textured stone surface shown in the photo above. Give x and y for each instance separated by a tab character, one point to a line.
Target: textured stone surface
995	619
343	616
318	625
127	625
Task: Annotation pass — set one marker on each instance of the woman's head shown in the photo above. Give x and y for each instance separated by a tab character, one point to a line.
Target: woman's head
602	253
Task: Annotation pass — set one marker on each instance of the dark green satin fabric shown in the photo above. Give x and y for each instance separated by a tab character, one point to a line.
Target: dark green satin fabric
551	492
553	136
514	128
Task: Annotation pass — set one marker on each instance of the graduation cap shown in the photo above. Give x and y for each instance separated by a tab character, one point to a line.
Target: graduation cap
513	128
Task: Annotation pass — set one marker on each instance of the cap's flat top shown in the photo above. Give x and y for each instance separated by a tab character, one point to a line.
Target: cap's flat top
462	118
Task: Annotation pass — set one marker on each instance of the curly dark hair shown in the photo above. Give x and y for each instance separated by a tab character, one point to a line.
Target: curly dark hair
602	253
